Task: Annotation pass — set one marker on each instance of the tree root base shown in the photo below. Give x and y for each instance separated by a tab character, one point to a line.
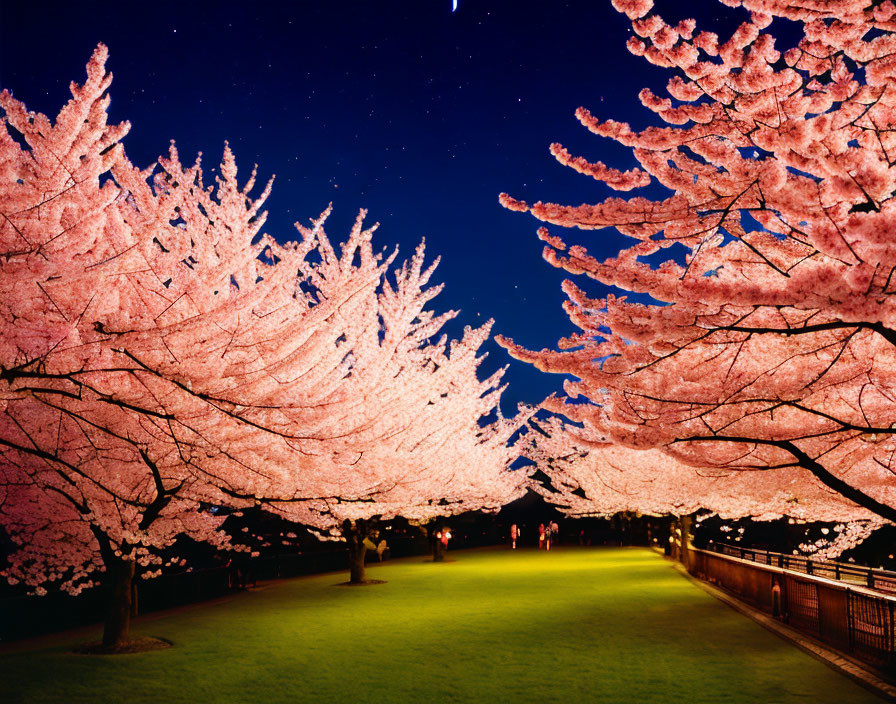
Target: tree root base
135	645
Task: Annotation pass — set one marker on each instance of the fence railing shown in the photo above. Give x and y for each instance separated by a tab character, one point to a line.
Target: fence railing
849	617
878	579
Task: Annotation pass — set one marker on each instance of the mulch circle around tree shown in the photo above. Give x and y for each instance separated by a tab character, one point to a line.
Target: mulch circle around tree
365	583
135	645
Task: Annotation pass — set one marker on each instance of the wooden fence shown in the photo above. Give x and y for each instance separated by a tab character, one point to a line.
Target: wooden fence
849	617
878	579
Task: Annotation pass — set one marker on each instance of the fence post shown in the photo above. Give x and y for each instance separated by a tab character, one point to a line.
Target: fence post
818	614
890	645
837	570
850	622
808	566
871	578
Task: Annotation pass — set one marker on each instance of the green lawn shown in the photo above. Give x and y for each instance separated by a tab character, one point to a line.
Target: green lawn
572	625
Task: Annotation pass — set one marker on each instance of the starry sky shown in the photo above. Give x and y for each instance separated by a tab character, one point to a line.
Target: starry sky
420	114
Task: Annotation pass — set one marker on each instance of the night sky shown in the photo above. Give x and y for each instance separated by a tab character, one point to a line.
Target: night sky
419	114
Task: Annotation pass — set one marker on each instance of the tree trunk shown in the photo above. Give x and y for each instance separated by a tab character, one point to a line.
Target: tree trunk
684	523
118	583
354	534
675	539
120	576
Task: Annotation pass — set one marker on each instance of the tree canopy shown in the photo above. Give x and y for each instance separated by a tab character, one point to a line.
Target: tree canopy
764	334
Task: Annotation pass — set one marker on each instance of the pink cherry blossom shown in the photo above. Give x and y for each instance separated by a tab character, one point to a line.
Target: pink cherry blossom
766	354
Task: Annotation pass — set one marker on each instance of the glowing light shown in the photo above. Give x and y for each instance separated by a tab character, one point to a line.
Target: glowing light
454	5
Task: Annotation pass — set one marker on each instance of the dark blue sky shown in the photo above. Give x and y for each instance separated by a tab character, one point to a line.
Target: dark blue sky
420	115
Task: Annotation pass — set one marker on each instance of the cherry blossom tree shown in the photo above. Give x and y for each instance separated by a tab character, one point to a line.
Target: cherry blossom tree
392	419
157	353
87	479
768	348
589	477
422	435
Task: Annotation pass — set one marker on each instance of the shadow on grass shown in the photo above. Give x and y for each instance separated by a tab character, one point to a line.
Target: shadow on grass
135	645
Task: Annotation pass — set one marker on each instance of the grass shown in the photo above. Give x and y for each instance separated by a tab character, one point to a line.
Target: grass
575	624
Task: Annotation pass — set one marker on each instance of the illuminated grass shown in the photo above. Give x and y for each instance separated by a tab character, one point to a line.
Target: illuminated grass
572	625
